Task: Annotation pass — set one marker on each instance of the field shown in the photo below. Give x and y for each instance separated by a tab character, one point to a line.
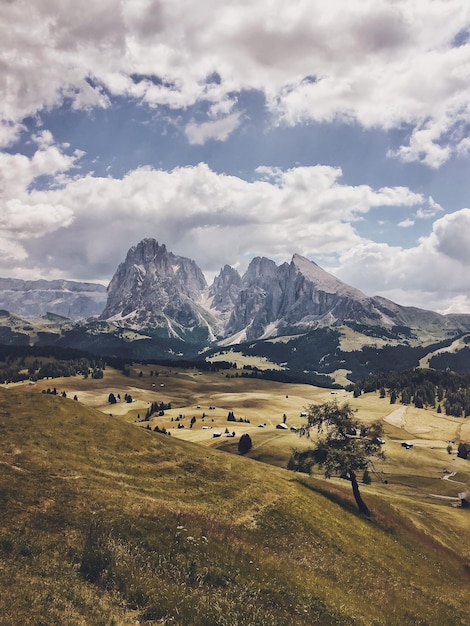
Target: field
108	523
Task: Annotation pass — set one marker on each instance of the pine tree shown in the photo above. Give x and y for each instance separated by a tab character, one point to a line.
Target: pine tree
244	444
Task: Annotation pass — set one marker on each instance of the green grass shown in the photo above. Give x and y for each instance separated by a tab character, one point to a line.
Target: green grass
106	523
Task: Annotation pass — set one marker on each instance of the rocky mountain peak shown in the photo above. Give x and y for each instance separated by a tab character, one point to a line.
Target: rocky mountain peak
154	287
147	250
322	279
225	289
259	271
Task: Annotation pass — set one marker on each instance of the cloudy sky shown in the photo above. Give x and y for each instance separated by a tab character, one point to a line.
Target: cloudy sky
337	129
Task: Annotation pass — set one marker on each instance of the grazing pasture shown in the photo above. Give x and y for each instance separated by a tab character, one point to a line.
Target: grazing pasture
108	522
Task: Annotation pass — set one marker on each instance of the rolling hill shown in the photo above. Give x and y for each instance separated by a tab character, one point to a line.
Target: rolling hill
108	523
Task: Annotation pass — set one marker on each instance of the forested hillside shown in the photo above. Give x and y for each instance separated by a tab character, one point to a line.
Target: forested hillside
448	391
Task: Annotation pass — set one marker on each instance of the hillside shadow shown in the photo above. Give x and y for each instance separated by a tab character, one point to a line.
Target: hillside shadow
331	493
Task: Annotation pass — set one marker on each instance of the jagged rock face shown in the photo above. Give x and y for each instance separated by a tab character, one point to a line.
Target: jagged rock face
259	298
160	293
157	288
275	300
225	289
312	294
153	288
33	298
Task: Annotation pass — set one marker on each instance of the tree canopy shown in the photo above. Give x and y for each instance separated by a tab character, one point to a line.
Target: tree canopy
344	446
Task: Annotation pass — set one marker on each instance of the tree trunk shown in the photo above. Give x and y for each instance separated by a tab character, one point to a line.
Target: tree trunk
362	506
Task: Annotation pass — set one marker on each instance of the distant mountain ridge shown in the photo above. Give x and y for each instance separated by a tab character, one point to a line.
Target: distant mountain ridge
33	298
295	317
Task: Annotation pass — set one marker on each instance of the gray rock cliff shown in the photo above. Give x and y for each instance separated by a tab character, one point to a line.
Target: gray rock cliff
155	288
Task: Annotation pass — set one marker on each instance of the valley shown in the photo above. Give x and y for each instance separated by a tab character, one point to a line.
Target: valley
108	521
128	497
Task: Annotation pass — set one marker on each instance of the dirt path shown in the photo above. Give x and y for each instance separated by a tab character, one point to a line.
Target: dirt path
266	440
450	476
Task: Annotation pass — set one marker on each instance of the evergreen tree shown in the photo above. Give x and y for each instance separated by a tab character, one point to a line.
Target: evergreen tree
244	444
463	450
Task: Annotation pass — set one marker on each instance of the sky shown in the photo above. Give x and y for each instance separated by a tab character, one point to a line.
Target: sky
337	130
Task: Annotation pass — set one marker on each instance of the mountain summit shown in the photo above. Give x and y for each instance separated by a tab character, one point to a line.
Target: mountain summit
294	314
154	288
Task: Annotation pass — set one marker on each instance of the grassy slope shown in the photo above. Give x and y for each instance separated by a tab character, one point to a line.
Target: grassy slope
105	523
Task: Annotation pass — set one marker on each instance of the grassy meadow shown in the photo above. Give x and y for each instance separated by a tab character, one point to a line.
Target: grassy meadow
108	523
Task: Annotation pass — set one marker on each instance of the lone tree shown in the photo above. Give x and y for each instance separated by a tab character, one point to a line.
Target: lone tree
244	444
337	451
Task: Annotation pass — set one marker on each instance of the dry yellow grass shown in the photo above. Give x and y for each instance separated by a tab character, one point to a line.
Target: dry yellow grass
280	549
261	362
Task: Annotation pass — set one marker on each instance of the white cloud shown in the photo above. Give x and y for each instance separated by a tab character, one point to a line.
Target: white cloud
450	236
11	252
87	224
17	171
424	146
463	147
379	63
407	223
432	209
432	275
218	129
457	304
10	131
83	228
24	220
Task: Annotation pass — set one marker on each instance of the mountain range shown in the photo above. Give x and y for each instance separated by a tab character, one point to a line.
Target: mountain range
153	288
295	317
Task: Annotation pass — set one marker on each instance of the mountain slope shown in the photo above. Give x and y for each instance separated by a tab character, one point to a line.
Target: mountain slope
301	296
159	305
223	293
104	522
